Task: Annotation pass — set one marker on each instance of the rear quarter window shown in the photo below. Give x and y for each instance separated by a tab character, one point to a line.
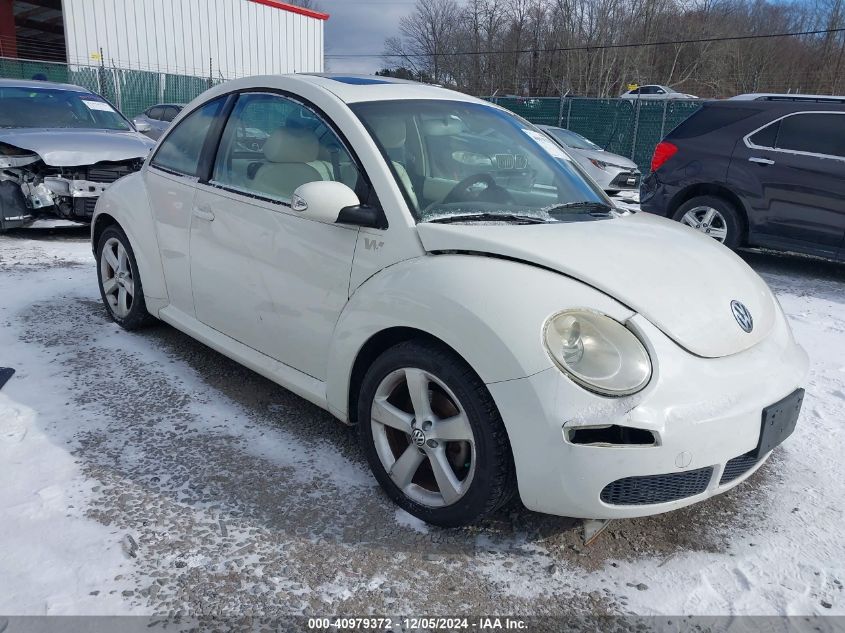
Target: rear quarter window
708	120
767	136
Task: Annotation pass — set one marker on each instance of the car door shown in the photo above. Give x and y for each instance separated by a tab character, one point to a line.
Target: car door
171	178
797	165
261	274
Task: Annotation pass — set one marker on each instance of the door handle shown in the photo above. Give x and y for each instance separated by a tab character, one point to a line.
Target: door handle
761	161
204	213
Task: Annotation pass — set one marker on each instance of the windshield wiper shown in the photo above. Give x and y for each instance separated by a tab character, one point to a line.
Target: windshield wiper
490	217
584	206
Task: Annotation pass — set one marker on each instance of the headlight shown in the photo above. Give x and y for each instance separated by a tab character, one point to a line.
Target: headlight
598	353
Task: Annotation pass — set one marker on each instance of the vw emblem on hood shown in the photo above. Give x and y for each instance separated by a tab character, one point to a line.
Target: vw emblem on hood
742	316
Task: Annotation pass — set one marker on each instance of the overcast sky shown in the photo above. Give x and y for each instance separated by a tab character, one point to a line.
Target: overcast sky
360	27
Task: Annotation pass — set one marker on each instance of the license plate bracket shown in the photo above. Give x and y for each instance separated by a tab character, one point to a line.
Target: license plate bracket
778	422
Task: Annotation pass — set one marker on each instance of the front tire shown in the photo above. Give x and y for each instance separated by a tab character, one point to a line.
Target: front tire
120	283
433	436
713	216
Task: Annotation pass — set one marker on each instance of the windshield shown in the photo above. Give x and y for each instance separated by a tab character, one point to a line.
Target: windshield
25	107
457	159
571	139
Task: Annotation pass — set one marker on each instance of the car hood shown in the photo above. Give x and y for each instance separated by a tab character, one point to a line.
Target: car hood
606	157
68	147
680	280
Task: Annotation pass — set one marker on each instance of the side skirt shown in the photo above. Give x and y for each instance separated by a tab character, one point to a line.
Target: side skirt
291	379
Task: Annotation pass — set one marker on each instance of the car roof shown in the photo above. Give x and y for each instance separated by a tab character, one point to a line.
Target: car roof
785	106
355	88
28	83
348	88
723	121
783	96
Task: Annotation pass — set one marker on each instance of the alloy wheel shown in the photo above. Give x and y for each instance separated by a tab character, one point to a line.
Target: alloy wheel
707	220
423	437
117	278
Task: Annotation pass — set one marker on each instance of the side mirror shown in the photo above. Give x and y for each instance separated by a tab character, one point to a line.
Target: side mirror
323	200
142	127
332	202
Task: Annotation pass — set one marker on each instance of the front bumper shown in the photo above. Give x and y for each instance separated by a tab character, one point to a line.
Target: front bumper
704	413
623	179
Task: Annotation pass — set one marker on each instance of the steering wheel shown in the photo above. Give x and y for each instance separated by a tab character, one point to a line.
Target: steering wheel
491	193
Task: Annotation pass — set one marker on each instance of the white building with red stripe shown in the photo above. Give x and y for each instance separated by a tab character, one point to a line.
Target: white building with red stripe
221	38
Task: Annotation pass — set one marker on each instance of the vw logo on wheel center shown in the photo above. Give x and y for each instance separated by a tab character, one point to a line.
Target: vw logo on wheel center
418	437
742	316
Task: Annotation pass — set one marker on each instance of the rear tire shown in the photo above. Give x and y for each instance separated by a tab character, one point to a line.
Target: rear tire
120	283
433	436
715	217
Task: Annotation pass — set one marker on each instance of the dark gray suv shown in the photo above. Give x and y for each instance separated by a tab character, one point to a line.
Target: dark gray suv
768	174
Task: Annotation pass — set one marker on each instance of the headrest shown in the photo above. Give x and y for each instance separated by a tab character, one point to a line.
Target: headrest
391	132
291	145
443	126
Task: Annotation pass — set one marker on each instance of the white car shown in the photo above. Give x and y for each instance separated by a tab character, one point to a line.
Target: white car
655	92
612	172
488	325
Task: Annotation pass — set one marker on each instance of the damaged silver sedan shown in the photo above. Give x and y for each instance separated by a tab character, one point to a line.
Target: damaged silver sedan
60	147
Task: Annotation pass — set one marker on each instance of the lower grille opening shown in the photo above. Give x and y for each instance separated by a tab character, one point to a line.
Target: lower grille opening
737	467
648	489
611	435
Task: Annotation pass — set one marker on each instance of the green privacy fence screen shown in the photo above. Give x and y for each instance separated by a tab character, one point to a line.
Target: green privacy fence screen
132	91
627	127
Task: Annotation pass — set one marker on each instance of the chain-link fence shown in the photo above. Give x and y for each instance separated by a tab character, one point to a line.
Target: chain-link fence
627	127
132	91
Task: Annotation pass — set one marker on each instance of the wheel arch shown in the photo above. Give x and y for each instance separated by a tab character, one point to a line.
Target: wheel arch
487	310
711	189
125	204
101	223
374	347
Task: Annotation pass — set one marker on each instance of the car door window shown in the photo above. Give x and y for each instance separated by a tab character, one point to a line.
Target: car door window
170	113
813	132
271	145
181	150
155	112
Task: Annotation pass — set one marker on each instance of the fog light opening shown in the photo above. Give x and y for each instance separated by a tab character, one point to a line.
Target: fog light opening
610	435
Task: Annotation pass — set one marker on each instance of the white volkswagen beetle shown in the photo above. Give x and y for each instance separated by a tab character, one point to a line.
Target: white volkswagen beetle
435	270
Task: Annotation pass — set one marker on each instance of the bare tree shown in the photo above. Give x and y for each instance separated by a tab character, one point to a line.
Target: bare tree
597	47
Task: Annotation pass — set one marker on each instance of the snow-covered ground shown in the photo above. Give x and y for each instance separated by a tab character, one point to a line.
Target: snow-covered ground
143	473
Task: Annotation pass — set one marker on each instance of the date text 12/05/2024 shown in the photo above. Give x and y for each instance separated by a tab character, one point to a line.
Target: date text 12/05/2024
411	623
